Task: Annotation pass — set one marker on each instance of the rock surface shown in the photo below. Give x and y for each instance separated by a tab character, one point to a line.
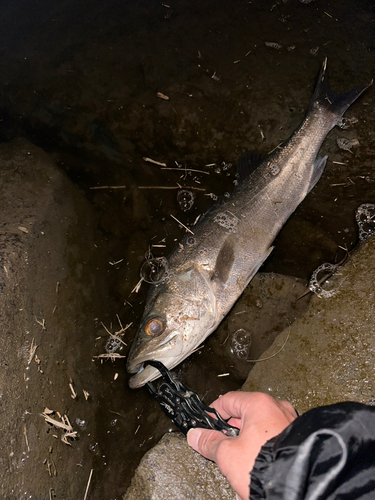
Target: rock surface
51	285
173	470
329	355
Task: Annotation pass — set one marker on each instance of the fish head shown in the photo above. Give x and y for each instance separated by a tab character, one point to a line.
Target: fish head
178	316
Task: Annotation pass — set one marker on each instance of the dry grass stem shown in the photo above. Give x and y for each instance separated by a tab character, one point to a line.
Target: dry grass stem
114	335
33	348
74	394
137	286
26	440
192	188
113	356
56	423
150	160
223	375
187	229
42	323
162	96
108	187
186	170
88	485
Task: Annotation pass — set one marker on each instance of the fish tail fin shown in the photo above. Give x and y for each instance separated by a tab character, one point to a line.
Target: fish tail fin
324	97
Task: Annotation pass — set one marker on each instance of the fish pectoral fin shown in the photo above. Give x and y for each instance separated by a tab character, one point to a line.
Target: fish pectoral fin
319	164
225	259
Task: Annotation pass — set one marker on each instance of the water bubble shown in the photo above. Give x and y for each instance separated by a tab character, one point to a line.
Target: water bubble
217	170
185	199
315	285
345	122
259	303
94	448
80	422
190	241
112	345
365	217
274	169
155	271
226	194
113	422
227	220
240	343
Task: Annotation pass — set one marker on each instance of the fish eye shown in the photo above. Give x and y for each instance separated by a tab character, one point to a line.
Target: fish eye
154	326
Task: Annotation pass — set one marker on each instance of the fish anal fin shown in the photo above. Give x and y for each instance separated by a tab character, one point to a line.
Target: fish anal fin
225	259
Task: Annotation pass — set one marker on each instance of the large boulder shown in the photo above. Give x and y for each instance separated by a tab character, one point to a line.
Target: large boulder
173	470
51	288
330	351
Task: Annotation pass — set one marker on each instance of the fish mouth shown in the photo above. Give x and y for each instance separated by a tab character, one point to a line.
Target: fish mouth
170	353
144	374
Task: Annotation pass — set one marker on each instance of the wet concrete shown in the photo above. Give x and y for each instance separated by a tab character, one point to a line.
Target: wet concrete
81	81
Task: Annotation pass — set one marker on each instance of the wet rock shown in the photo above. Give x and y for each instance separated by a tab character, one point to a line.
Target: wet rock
52	286
329	356
173	470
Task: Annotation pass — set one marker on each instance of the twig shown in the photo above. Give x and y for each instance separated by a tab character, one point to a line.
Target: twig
137	286
33	348
88	485
27	441
114	336
187	229
74	394
112	355
186	170
42	323
154	161
193	188
107	187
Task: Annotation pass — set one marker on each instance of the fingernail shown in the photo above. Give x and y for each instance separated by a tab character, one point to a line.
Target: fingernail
193	437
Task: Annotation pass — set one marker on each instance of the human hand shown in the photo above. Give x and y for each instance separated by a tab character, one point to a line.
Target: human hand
259	418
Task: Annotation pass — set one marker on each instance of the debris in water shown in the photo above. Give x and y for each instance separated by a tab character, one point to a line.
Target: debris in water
315	284
162	96
185	199
347	144
345	122
187	229
240	343
273	45
365	217
155	271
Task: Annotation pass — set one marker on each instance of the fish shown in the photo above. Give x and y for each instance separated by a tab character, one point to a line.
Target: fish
208	270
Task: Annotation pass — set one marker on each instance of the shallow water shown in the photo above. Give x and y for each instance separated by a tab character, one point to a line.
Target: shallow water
81	81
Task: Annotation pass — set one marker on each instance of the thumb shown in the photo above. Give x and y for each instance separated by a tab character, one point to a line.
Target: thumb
205	441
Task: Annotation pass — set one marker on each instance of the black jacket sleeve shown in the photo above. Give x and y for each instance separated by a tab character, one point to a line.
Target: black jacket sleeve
327	453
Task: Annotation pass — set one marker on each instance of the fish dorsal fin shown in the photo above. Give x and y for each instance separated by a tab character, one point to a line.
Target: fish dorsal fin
225	259
247	163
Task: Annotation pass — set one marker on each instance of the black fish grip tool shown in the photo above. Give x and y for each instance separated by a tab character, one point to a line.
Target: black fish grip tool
183	406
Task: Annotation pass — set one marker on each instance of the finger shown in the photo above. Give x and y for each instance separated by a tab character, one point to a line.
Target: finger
205	441
289	408
233	404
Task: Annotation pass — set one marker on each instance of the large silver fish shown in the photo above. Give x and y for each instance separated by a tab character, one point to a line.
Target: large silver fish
210	269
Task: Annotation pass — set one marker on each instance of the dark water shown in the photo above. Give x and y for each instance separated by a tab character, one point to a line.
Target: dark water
80	79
